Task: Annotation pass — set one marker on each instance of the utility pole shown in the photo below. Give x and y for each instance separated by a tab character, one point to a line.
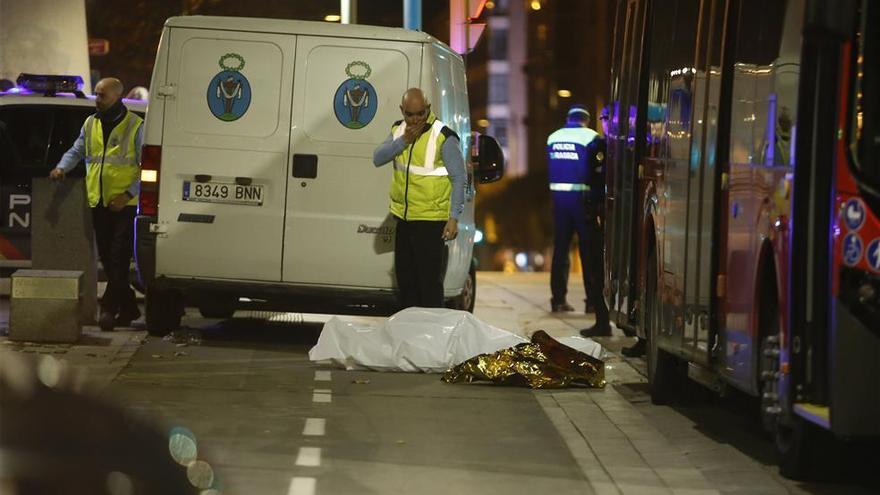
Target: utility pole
412	14
348	10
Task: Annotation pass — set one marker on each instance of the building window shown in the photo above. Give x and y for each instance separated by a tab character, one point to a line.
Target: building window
498	45
497	88
498	130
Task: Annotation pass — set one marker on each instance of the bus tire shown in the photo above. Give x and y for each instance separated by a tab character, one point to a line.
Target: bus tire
661	364
794	444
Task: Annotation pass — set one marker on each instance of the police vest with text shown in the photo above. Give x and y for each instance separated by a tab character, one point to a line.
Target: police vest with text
420	188
111	169
568	162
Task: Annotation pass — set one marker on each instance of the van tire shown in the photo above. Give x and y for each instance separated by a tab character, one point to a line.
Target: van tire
468	297
163	311
217	311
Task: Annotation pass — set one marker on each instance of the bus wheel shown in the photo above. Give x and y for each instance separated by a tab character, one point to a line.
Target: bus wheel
794	444
661	365
768	353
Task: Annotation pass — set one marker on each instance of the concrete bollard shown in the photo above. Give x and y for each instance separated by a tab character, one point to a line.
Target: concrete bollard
45	306
62	236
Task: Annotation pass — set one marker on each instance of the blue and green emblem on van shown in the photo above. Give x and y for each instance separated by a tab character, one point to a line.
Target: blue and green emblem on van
229	94
356	102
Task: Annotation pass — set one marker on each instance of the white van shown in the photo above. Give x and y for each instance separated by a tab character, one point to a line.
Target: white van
258	183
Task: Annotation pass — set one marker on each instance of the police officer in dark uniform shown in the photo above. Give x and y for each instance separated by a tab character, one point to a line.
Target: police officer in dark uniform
569	182
594	208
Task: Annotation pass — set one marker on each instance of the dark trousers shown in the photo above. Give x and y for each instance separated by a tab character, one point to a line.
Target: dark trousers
569	217
594	270
420	263
114	233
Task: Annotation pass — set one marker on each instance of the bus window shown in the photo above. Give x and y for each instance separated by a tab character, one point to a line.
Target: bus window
681	72
765	82
867	100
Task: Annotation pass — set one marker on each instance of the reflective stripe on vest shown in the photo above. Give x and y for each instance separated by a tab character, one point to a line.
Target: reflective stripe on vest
112	170
430	153
424	192
562	186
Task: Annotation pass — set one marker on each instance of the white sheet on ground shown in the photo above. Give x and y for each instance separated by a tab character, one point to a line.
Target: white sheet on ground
429	340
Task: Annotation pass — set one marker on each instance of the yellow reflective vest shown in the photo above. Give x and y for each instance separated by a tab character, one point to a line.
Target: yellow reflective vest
420	187
111	171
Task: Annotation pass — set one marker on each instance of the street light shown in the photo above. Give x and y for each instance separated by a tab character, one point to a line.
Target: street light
536	5
564	93
333	18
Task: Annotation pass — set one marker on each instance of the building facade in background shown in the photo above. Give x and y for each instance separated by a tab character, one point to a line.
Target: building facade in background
507	98
569	61
43	37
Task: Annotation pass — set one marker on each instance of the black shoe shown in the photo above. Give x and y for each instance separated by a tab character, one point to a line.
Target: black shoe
562	307
106	321
636	350
597	331
125	317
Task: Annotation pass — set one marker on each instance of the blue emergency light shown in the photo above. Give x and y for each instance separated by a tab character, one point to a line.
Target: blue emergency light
49	85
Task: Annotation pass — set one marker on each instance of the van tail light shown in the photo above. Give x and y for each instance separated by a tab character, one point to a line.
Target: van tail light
151	164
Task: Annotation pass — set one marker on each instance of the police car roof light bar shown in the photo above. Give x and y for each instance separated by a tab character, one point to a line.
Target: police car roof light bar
50	85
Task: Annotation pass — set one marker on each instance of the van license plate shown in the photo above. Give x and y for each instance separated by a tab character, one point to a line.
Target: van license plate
220	192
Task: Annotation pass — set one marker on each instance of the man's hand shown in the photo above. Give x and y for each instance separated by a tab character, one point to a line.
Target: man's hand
56	174
450	230
411	133
119	202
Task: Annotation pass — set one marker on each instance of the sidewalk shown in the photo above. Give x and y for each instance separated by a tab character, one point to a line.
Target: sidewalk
102	355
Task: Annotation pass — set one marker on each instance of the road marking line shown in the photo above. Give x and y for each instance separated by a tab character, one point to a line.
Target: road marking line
309	457
315	427
322	395
302	486
322	376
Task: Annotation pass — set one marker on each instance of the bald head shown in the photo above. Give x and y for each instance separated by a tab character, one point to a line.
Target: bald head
107	92
414	107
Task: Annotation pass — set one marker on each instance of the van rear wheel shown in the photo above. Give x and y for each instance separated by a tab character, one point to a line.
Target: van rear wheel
220	308
468	297
163	311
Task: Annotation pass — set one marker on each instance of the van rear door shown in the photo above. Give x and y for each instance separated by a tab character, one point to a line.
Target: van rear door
224	164
346	96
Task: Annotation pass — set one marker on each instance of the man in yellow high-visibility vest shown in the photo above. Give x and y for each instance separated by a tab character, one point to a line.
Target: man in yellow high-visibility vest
427	198
110	144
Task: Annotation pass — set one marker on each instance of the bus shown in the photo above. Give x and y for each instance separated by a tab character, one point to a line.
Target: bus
743	206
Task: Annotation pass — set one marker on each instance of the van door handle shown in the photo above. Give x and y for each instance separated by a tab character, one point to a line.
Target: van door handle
305	166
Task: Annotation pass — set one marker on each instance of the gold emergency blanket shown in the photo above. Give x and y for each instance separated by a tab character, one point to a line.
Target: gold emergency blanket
542	363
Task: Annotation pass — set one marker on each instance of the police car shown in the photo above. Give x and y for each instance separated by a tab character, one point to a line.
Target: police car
40	118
